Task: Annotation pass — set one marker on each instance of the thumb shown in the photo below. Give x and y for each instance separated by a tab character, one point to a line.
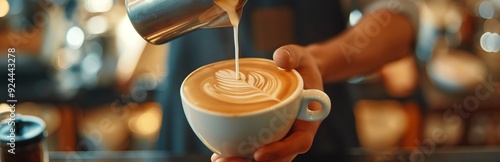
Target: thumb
288	56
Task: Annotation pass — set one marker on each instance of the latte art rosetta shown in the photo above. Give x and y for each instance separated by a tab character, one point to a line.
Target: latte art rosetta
253	87
261	85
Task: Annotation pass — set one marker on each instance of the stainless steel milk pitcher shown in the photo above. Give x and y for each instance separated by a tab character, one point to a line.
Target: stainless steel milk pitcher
159	21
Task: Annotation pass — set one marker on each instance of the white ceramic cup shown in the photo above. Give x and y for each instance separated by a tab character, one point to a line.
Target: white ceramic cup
239	135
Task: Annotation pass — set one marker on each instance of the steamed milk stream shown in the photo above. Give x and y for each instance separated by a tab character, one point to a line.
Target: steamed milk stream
230	7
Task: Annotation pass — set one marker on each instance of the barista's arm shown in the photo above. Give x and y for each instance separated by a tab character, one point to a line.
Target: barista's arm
385	34
328	62
377	39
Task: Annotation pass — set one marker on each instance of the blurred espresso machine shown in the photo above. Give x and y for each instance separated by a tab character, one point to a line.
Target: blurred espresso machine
459	51
459	39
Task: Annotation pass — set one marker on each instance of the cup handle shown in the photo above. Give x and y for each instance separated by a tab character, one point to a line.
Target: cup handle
314	95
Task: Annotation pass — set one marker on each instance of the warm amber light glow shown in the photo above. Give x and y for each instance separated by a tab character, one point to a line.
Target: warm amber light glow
4	107
149	122
146	123
4	8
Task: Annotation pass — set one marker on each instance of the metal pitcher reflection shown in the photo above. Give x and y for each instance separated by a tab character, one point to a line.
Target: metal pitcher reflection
160	21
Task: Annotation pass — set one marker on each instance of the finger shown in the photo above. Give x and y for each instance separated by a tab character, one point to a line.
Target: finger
215	157
289	56
297	143
218	158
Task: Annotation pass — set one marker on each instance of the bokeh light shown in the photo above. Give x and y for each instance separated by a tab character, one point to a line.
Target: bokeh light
490	42
75	37
97	25
354	17
95	6
148	122
4	8
486	10
4	107
91	64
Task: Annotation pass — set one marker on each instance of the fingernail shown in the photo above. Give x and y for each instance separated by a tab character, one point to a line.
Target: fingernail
289	55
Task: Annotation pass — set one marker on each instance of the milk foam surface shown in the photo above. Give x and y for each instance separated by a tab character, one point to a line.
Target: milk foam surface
261	84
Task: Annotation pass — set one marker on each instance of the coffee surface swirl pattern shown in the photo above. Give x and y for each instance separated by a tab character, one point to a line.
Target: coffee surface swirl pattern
255	87
261	85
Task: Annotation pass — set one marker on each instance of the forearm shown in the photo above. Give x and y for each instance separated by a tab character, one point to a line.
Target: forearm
377	39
